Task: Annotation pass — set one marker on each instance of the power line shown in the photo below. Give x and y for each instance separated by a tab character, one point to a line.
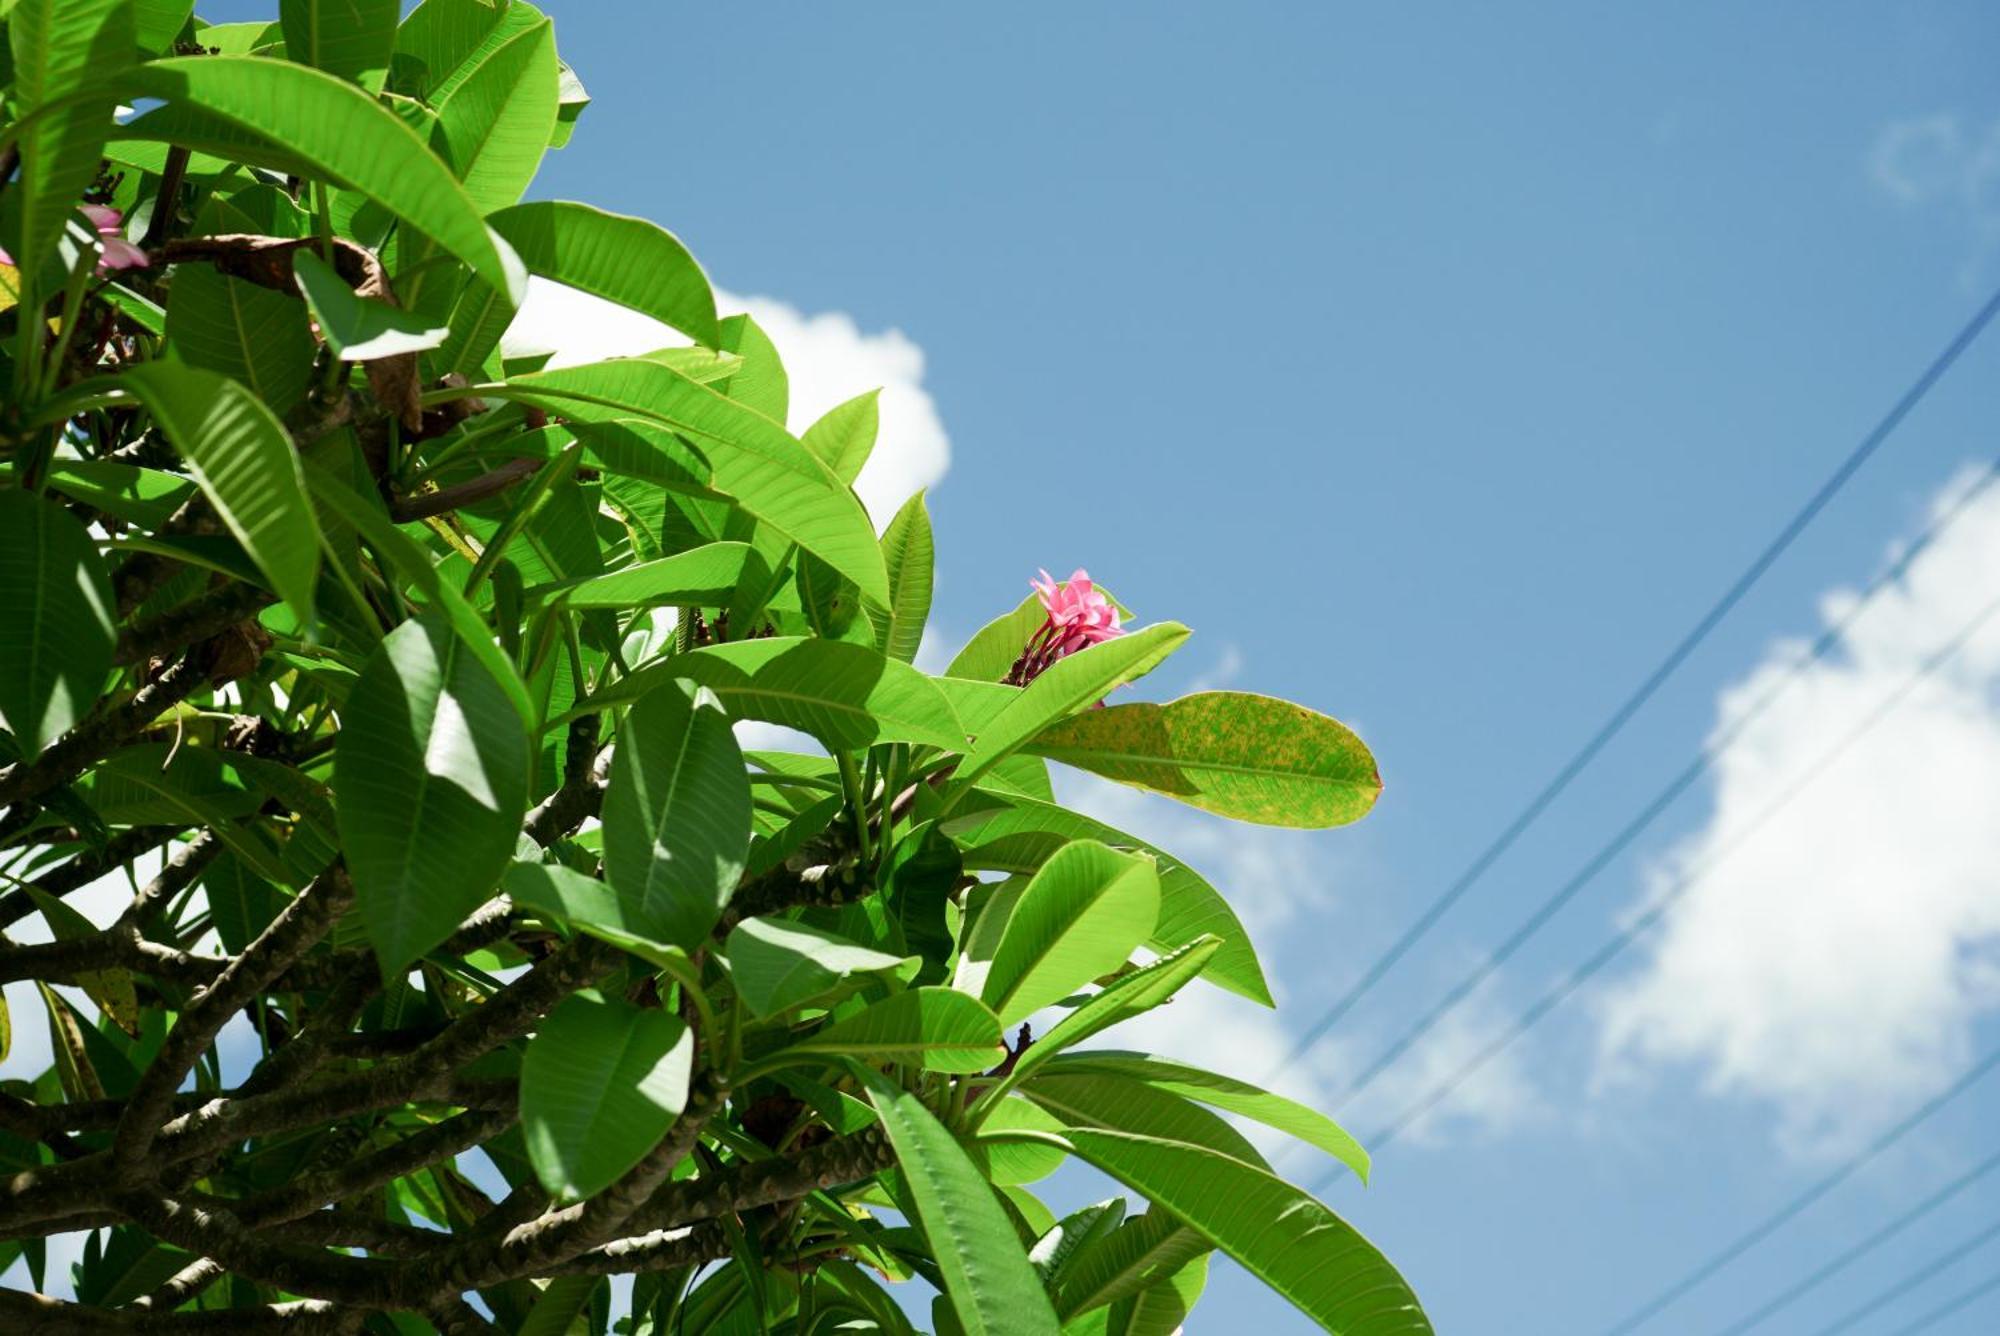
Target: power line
1605	954
1835	1265
1611	727
1838	1175
1949	1306
1671	793
1914	1279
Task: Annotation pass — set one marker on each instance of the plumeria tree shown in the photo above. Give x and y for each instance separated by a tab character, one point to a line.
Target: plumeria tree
417	944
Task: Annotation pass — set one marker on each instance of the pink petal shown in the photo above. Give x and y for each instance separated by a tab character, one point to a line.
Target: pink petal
121	254
103	218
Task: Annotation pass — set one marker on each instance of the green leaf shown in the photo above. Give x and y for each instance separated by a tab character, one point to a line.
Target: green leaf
847	696
431	778
249	333
1135	1256
61	47
1132	1106
993	1290
1117	1002
1068	685
1253	758
158	22
357	328
440	37
703	577
1020	837
589	906
676	814
1081	916
274	113
755	461
996	645
760	381
1162	1307
845	436
571	101
413	565
1278	1233
495	125
348	38
561	1302
1239	1097
601	1083
1070	1236
55	602
243	459
908	552
943	1030
627	261
777	964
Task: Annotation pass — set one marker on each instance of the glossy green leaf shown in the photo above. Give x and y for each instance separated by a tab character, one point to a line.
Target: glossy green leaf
601	1083
676	814
777	964
494	125
60	48
589	906
412	565
847	696
1162	1307
845	436
55	601
1277	1232
938	1028
158	22
1093	1100
755	461
759	381
1253	758
431	778
243	459
630	261
1239	1097
1019	837
993	1290
996	645
1119	1001
1138	1254
272	112
440	38
1066	686
703	577
909	553
1082	915
1072	1235
357	328
348	38
255	336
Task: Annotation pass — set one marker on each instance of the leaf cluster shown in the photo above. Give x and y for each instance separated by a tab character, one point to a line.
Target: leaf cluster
388	688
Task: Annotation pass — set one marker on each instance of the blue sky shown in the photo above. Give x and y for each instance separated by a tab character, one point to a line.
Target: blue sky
1440	368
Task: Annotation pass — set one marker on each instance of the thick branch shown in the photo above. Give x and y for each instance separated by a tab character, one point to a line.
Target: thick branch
294	932
101	734
487	485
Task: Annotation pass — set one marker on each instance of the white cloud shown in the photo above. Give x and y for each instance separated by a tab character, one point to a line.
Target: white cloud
827	357
1833	965
1942	161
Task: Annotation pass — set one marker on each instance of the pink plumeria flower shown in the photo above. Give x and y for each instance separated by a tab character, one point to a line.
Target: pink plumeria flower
118	253
1078	617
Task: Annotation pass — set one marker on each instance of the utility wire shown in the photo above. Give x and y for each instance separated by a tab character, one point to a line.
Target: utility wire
1838	1175
1671	793
1664	902
1785	1298
1911	1281
1948	1307
1612	726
